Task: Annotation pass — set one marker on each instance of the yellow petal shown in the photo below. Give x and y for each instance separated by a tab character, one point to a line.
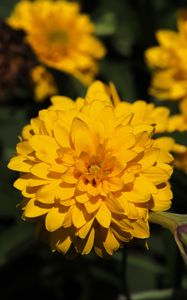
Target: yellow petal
19	163
121	235
115	184
36	182
115	97
150	157
21	183
81	137
94	190
79	216
64	193
24	148
97	91
45	147
144	128
103	215
89	242
62	103
64	245
33	209
136	196
141	139
61	134
111	244
108	114
68	177
141	229
127	177
124	156
68	218
82	185
162	200
63	241
165	157
82	198
165	143
114	204
142	183
40	170
46	194
122	140
58	167
167	38
55	218
92	205
83	231
156	175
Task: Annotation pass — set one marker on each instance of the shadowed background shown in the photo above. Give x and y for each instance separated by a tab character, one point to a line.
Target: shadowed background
27	267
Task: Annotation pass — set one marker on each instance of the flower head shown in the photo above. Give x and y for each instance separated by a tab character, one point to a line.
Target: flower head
168	61
179	121
90	174
68	43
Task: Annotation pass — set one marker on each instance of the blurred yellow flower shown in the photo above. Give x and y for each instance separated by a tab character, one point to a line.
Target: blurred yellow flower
44	85
60	35
90	174
179	121
168	61
145	113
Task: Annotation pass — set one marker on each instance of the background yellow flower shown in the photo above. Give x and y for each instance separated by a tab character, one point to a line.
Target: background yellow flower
44	84
60	35
168	61
90	174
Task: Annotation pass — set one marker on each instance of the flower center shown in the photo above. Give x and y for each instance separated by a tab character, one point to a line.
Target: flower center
57	36
94	169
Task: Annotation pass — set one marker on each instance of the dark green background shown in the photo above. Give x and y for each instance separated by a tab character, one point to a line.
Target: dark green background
27	267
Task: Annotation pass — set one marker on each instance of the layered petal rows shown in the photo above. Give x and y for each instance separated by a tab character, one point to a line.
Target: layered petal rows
168	60
91	172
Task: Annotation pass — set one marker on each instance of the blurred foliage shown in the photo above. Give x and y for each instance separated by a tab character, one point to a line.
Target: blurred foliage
27	267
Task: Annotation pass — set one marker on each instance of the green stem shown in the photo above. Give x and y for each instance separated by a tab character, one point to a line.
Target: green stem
164	219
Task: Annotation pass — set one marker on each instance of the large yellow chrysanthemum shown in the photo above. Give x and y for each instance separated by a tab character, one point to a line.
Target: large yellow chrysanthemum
169	63
91	173
61	36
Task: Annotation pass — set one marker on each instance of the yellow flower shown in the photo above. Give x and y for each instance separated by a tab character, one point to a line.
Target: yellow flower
90	174
179	121
61	36
168	61
44	85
